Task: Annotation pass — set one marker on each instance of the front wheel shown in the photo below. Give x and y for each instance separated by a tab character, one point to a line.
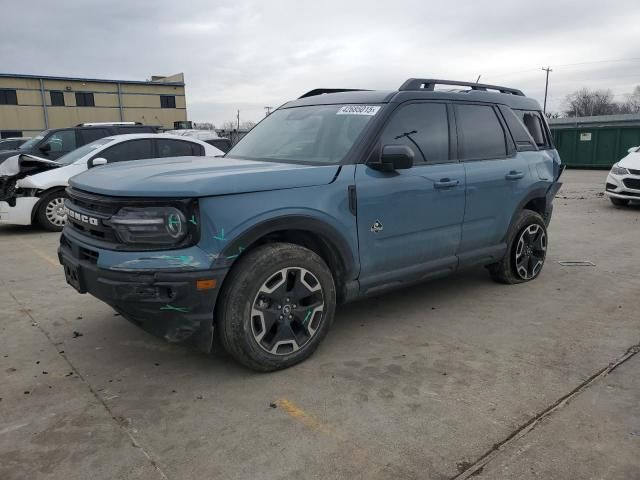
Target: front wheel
276	306
619	202
526	250
50	214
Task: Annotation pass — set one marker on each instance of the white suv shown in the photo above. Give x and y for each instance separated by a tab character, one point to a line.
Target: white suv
623	181
32	189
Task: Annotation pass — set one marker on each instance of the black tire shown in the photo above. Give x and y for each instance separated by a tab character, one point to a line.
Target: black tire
48	214
522	262
250	320
619	202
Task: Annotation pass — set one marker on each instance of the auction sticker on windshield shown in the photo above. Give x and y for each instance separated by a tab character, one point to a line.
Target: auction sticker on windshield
369	110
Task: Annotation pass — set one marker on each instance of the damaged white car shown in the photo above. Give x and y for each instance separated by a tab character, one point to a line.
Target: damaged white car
32	189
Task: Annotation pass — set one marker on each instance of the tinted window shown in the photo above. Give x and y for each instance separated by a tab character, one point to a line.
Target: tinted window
533	121
84	99
424	128
91	134
177	148
223	144
167	101
8	97
57	98
62	141
131	150
480	134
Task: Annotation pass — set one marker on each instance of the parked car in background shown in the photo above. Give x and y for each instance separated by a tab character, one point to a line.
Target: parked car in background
209	136
54	143
623	181
334	196
33	188
12	143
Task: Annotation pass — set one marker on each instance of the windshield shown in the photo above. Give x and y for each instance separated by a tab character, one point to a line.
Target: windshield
78	153
317	134
29	144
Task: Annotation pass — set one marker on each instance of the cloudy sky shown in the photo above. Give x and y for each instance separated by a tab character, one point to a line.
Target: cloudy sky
249	54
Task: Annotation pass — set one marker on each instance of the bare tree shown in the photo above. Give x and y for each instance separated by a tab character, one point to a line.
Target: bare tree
632	102
586	103
229	125
204	126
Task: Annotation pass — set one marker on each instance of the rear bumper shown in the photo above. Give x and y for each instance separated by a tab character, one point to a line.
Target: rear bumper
166	304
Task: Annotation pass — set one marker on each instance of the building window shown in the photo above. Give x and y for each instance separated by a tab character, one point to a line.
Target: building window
167	101
10	133
85	99
57	98
8	97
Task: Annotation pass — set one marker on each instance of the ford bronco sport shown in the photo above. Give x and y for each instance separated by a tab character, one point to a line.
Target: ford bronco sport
337	195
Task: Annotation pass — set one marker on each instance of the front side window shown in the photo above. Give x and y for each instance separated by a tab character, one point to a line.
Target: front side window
130	150
316	134
424	128
480	134
31	143
177	148
62	141
85	99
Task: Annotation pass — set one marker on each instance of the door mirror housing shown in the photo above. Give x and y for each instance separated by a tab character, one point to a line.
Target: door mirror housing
45	148
394	157
94	162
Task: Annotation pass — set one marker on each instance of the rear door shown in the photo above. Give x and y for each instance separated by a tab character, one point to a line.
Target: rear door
496	178
409	221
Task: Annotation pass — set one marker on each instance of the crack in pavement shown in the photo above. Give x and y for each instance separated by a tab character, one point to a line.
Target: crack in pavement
476	467
133	440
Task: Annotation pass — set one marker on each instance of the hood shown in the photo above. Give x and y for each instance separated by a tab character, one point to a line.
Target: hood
18	167
631	161
198	177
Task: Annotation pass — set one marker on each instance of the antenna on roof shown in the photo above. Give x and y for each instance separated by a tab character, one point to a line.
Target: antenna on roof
478	79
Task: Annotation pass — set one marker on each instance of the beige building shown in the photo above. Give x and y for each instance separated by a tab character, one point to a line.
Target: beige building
32	103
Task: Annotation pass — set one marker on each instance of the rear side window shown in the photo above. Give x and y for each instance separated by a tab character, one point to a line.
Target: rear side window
178	148
532	120
140	129
91	134
125	151
423	127
480	134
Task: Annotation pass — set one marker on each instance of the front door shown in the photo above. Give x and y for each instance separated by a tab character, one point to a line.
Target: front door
409	221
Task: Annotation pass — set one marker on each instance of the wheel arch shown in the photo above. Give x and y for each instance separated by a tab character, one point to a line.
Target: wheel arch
41	196
535	200
309	232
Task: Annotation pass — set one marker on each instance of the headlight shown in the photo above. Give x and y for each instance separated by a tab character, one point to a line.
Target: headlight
616	170
156	226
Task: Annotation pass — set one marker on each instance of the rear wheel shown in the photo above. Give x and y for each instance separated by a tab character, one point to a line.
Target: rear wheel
619	202
526	251
276	307
50	214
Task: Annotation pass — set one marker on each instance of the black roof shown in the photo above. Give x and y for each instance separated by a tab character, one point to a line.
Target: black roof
417	89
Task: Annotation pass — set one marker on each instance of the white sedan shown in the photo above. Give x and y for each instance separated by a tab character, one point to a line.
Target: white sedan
623	181
32	189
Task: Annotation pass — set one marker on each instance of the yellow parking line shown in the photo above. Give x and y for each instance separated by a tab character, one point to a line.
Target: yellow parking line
300	415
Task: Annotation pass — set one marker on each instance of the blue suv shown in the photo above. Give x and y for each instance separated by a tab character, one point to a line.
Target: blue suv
337	195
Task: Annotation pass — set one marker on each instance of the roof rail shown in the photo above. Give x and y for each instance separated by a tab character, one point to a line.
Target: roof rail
100	124
430	83
321	91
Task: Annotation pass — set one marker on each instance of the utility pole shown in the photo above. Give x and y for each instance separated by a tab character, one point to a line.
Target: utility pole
546	89
267	111
238	117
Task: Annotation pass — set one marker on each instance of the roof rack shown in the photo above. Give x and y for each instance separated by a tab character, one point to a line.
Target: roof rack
101	124
321	91
430	83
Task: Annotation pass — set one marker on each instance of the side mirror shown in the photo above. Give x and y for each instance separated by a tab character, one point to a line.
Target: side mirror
394	157
632	149
45	148
94	162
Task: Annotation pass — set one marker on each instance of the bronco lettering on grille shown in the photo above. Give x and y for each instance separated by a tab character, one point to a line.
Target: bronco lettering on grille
80	217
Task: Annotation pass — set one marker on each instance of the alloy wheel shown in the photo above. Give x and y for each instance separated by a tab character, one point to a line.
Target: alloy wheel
287	311
54	211
531	251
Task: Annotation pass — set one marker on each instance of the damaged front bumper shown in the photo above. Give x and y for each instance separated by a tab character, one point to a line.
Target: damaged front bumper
166	304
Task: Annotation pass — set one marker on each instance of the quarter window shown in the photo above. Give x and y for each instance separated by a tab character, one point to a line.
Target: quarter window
8	97
424	128
480	134
57	98
534	123
85	99
167	101
125	151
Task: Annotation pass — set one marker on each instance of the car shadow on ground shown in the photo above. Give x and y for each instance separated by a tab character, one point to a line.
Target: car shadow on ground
23	230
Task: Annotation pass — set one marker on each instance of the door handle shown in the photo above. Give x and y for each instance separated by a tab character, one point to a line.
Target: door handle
446	183
514	175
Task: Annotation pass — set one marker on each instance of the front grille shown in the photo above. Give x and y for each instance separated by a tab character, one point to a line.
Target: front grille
634	172
632	183
629	194
92	206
